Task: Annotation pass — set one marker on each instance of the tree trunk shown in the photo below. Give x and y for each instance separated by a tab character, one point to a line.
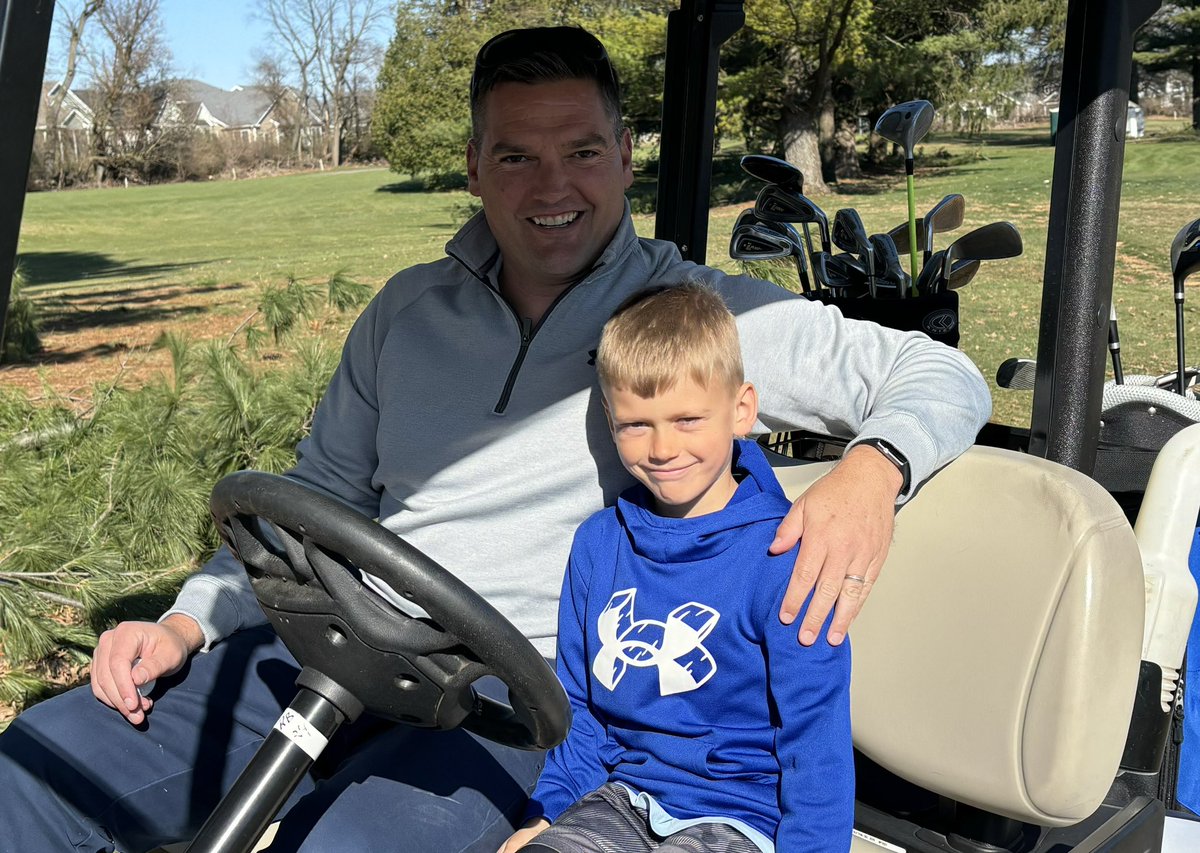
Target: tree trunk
1196	91
827	131
801	149
845	163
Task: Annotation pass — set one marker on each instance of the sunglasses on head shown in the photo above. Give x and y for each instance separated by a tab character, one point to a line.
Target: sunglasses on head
515	45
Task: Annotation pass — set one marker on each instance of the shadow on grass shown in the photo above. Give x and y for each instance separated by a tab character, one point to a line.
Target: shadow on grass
122	307
1039	137
79	269
427	184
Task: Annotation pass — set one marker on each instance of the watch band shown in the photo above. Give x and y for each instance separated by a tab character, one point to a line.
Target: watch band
891	454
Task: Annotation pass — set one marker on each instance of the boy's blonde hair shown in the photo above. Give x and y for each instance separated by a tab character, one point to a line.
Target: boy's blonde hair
664	333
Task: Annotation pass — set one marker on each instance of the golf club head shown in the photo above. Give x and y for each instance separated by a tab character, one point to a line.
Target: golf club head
944	216
1170	381
780	204
887	259
987	243
930	277
772	170
906	124
1185	254
757	243
1017	374
746	217
842	274
899	235
850	235
962	273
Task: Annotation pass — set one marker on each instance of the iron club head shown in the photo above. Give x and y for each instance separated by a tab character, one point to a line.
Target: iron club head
779	204
944	216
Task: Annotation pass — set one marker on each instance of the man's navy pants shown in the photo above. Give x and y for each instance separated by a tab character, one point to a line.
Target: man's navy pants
75	776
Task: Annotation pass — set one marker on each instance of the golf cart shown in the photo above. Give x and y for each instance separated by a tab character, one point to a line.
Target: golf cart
1014	671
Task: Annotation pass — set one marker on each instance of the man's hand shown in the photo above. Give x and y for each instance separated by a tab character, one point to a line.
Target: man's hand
159	648
524	835
845	520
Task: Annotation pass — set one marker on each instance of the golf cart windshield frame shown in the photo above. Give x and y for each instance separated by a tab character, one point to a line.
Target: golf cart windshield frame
1084	204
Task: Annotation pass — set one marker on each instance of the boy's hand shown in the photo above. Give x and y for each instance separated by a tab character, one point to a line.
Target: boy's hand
524	835
846	520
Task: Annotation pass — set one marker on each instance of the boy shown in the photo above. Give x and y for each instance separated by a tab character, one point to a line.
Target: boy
699	723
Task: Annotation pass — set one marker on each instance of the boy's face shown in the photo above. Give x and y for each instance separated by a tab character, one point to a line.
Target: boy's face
679	443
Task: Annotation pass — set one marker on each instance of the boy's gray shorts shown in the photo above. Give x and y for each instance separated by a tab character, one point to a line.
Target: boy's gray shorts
605	822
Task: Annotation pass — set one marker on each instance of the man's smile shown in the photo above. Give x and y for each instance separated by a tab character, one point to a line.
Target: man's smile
557	220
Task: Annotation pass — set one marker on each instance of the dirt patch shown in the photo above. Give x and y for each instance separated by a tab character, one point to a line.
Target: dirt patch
107	335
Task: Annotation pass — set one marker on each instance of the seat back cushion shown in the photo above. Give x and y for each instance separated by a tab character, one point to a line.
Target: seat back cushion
997	657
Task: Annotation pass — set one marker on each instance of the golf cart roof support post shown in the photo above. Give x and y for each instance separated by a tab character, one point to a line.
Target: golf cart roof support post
695	33
1082	237
24	39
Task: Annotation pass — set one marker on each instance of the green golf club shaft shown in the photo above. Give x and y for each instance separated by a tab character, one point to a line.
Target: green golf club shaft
912	226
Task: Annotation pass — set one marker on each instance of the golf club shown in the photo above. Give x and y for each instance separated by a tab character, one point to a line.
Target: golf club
761	241
841	274
905	125
899	235
987	243
850	235
1185	260
964	270
780	204
772	170
887	264
944	216
1114	345
1017	374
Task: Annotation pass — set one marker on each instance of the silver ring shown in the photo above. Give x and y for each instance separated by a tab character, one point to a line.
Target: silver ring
858	578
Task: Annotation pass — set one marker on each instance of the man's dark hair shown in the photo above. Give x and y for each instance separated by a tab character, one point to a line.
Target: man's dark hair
544	55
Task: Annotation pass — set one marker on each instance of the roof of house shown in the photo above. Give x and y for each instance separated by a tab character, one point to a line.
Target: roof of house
239	107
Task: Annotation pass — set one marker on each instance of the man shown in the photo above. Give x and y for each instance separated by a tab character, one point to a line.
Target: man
464	415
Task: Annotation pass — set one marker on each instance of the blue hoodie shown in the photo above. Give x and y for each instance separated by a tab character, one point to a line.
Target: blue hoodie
684	684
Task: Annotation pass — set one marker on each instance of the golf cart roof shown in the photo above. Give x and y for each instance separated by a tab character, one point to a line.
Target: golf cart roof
1084	208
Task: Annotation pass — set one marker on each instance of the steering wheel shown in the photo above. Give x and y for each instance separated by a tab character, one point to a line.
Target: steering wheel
306	554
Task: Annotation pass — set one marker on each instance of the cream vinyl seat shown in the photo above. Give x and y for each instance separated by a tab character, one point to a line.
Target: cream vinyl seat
997	658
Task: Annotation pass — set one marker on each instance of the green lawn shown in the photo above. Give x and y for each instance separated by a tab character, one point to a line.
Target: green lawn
371	222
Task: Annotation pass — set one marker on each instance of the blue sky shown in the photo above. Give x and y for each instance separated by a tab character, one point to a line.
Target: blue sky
211	40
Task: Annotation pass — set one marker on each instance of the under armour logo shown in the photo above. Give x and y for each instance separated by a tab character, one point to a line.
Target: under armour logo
674	646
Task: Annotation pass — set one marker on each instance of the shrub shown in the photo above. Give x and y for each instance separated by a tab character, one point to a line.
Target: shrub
21	325
106	510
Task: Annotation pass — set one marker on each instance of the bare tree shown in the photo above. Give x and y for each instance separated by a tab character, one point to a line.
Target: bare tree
298	26
130	72
347	47
329	43
75	23
271	77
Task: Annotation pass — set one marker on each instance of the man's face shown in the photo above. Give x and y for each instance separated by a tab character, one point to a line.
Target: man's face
552	178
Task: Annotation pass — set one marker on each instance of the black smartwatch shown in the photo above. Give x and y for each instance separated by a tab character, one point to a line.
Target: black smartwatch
891	454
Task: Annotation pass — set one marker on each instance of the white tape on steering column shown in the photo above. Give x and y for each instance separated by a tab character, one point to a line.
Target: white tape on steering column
299	731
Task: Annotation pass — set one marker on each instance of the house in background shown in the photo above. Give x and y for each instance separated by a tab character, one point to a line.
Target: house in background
251	114
247	113
74	119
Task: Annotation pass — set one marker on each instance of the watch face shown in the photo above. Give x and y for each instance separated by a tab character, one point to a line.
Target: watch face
892	456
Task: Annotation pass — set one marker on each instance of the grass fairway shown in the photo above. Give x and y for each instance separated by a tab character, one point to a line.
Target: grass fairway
91	247
230	232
